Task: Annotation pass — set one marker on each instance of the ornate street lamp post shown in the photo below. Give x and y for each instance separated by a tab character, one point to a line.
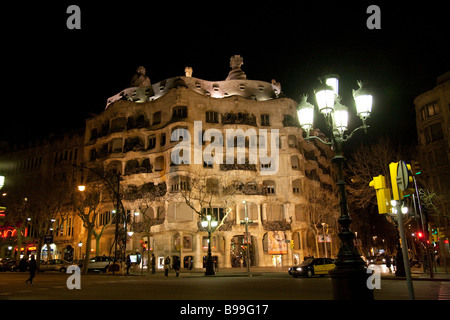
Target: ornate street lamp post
80	244
247	236
349	277
210	226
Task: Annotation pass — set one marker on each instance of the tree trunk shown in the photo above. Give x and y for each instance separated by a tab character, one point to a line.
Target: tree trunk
88	249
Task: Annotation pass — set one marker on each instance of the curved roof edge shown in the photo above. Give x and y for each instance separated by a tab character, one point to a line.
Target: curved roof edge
248	89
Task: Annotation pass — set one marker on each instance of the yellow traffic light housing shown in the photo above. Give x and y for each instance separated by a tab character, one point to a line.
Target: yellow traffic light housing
411	188
383	194
396	192
407	187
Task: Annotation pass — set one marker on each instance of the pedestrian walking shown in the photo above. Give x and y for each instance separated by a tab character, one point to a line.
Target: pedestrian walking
388	262
166	266
153	263
128	264
32	268
176	266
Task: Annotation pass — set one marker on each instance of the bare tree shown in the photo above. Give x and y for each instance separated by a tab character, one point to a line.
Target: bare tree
320	207
45	203
366	162
88	204
16	217
146	197
202	194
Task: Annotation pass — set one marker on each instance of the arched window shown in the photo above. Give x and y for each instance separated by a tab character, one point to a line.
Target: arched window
269	187
252	212
295	163
159	163
296	186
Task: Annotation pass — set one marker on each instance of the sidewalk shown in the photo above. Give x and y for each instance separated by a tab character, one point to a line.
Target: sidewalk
223	272
416	273
440	274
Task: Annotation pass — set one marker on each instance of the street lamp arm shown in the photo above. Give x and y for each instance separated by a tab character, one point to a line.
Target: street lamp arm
348	137
308	137
99	175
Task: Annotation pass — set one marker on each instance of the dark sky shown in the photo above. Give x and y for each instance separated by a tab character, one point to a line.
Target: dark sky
55	77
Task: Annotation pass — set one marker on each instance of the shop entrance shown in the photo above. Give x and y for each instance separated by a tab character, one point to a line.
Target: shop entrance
276	260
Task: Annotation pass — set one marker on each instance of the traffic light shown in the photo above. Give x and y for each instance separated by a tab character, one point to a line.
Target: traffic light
410	190
2	215
383	194
406	187
415	167
396	192
420	234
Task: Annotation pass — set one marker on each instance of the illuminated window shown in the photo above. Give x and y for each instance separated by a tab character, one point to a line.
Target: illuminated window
429	110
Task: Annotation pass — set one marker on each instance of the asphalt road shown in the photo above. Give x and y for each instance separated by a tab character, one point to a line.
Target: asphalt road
263	286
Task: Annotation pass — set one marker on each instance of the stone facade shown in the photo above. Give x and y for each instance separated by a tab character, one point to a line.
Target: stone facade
133	134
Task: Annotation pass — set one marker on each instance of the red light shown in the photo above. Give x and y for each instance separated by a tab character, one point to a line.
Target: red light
420	234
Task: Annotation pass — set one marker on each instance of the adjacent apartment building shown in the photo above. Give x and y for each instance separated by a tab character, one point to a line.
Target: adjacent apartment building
433	127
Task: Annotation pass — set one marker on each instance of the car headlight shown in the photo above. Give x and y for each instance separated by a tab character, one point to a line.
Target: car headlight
299	269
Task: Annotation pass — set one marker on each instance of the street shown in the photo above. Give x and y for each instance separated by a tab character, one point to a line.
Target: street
195	286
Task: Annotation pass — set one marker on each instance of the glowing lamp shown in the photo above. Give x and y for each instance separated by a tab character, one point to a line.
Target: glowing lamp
305	113
325	98
340	116
363	99
333	82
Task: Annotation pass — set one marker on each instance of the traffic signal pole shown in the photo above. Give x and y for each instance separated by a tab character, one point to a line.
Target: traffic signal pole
399	170
404	250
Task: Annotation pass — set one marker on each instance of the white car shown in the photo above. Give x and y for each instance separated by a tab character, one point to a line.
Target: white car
100	263
54	265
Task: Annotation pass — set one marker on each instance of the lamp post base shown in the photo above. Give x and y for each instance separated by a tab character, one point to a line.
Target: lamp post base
350	283
209	269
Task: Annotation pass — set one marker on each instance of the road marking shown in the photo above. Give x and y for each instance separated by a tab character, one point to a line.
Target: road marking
444	291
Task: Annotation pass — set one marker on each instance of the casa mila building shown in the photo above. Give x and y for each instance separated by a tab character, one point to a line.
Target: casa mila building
171	142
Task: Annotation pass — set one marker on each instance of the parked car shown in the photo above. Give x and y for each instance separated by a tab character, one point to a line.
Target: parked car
100	263
78	263
8	265
55	265
311	267
20	265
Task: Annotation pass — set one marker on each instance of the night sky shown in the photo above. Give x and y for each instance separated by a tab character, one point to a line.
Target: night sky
57	77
